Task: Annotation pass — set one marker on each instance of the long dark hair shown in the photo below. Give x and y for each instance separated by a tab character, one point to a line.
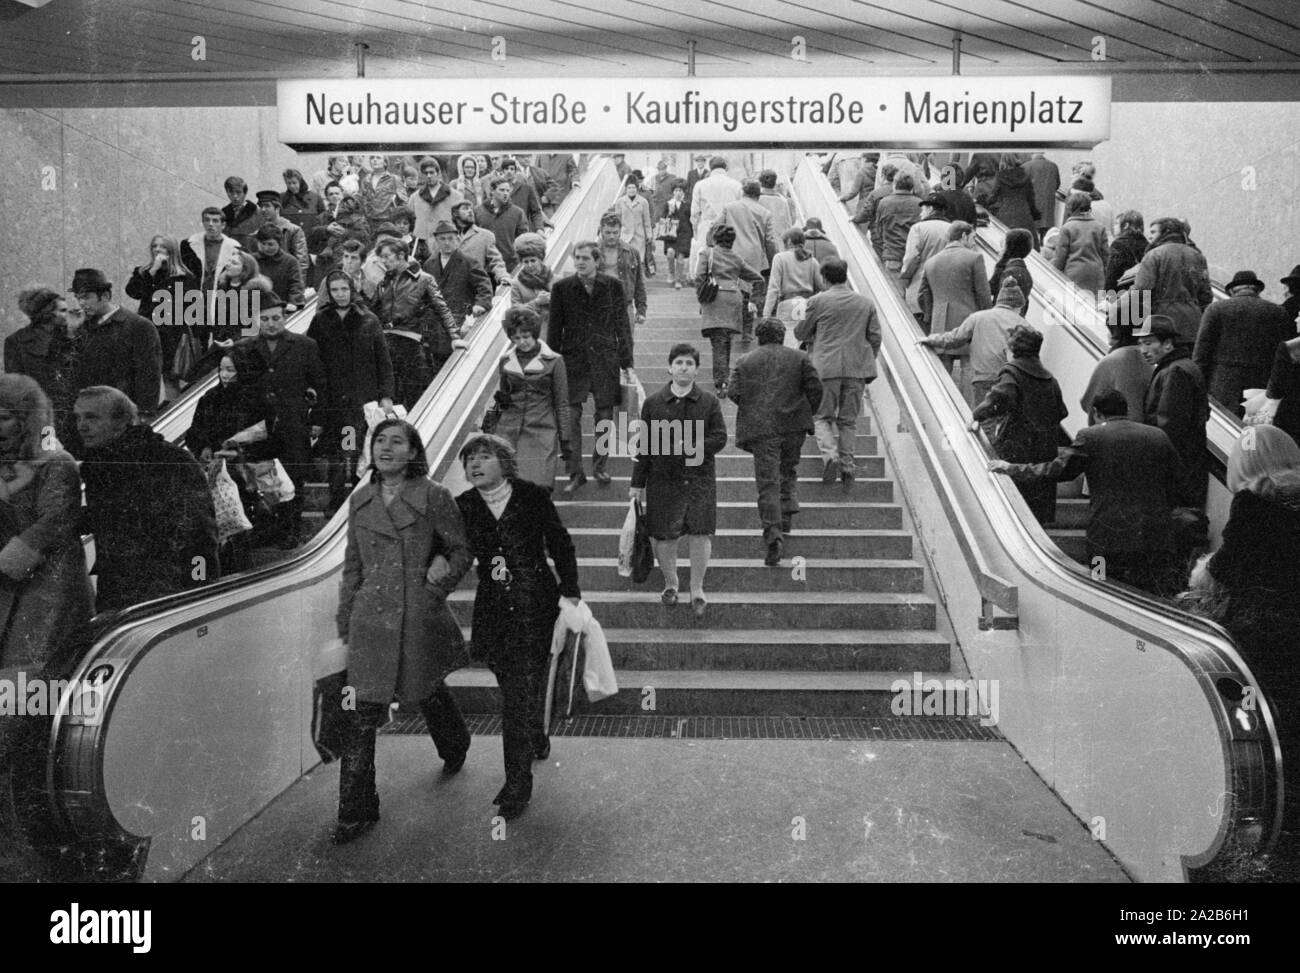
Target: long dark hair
1017	245
419	465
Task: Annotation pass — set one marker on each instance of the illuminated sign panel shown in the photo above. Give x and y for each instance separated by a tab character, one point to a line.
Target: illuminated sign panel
461	113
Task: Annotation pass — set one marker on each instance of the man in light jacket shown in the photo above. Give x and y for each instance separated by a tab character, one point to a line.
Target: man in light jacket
984	334
755	243
707	199
926	237
844	331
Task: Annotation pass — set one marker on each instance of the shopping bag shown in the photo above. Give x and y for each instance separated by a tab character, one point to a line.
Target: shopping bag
666	229
272	481
650	266
229	505
598	668
643	555
255	433
562	684
188	352
374	415
627	541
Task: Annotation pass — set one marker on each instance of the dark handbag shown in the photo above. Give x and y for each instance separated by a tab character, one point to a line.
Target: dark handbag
188	352
329	720
643	555
650	267
706	291
666	229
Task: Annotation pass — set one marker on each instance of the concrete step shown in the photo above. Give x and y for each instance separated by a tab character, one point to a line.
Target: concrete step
799	610
893	545
1072	513
757	651
810	489
847	515
714	692
865	444
751	575
740	465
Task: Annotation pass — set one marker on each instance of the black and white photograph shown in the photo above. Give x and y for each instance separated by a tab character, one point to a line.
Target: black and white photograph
674	443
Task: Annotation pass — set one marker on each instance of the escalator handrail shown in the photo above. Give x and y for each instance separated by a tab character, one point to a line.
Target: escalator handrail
1010	520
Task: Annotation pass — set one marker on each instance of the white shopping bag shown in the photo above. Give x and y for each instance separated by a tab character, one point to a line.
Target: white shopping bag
227	502
627	541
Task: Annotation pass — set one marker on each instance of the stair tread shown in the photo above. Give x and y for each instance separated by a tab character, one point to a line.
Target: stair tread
748	597
765	636
741	504
745	679
811	532
811	562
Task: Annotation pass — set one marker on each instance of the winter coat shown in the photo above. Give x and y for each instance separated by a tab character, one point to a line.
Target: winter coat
293	241
953	287
592	332
637	229
790	278
1133	472
1124	371
48	356
1235	346
1178	279
1176	401
505	224
894	217
1046	180
781	209
308	202
665	476
755	242
143	285
479	246
280	380
433	207
149	507
776	391
1081	252
402	638
1126	251
122	350
1014	201
627	269
925	238
560	171
536	419
735	278
462	282
1027	394
984	335
822	249
1284	384
680	214
525	196
533	291
285	276
842	329
707	199
354	356
223	411
1017	269
55	597
514	616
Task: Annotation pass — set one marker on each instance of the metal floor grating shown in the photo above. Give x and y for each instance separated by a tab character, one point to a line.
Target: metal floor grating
954	728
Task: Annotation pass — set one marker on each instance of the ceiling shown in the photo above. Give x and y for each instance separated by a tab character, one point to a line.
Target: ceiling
116	39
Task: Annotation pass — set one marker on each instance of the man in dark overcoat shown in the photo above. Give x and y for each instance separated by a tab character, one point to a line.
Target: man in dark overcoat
589	328
776	391
1176	401
1238	339
147	503
465	285
287	372
1133	475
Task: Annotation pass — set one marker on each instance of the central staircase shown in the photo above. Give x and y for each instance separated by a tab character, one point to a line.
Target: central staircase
850	609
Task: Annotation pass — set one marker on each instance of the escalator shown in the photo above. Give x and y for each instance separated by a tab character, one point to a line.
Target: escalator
207	694
1132	711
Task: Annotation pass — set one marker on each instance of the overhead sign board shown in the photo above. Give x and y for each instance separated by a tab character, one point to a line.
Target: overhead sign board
604	113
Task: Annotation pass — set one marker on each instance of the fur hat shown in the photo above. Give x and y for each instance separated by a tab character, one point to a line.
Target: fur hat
530	245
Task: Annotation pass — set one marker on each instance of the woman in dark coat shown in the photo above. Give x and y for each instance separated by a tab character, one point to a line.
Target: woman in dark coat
1126	249
406	553
1284	388
298	199
532	404
678	249
512	527
723	315
1254	578
1015	248
44	351
1013	200
163	272
1030	399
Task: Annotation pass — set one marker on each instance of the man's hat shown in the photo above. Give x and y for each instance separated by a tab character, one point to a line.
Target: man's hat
89	279
445	227
935	201
268	196
1293	277
1157	326
269	231
700	157
1243	278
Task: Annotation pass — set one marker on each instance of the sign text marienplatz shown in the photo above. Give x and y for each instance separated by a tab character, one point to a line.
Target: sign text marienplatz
621	112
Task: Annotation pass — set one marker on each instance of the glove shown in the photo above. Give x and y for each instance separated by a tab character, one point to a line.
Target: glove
502	398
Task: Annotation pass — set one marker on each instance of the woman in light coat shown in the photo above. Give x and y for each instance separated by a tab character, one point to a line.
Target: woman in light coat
1081	249
795	275
634	210
722	315
406	553
532	401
